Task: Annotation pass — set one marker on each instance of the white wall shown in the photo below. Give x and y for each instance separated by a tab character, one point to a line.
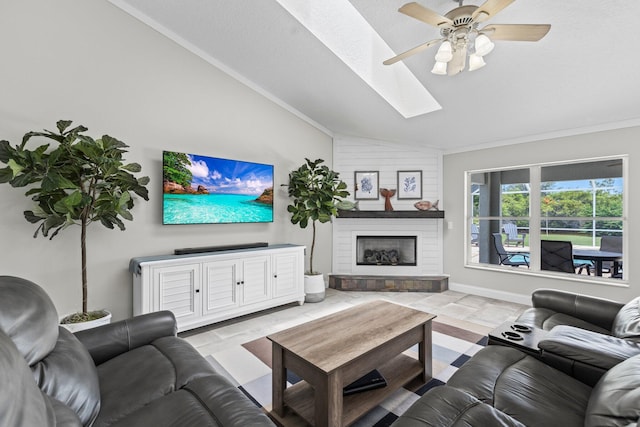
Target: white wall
519	286
89	62
359	154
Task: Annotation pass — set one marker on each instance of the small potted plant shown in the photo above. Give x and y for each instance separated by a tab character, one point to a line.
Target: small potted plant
315	190
79	181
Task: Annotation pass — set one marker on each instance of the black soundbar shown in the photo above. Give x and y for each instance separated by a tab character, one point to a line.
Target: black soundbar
185	251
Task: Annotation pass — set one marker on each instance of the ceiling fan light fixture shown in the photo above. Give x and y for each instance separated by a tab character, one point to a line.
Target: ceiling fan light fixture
444	53
439	68
475	62
483	45
462	40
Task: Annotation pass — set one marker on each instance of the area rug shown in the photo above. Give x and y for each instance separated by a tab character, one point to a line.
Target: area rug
249	368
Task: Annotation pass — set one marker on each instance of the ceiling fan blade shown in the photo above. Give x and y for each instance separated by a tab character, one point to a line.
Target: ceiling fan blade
425	15
516	32
458	61
489	8
410	52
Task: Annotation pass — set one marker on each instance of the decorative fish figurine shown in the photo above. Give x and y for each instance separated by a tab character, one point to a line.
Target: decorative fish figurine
425	205
348	205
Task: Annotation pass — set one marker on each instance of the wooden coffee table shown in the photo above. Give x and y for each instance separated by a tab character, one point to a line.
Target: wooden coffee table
333	351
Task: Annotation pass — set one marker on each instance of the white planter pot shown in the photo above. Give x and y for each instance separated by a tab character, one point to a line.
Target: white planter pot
314	288
81	326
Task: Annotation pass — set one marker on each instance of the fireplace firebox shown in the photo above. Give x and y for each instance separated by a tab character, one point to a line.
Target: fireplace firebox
386	250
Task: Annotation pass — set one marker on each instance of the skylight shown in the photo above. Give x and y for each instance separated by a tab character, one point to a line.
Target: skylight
339	26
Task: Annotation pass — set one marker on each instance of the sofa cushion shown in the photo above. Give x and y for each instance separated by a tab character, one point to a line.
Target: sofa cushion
615	400
164	375
627	322
544	318
207	401
28	317
448	407
226	402
520	385
69	375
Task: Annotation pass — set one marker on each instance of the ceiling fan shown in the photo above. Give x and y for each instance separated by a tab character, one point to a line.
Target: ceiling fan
461	35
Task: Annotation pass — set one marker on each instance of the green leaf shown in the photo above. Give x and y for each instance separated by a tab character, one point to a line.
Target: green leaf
15	167
52	221
63	124
126	215
55	181
132	167
69	203
22	180
6	174
142	192
108	221
31	217
5	151
124	199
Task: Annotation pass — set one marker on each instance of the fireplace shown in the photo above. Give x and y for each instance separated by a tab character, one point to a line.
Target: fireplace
386	250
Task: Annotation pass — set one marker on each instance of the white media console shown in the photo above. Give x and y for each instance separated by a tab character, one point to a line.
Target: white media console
205	288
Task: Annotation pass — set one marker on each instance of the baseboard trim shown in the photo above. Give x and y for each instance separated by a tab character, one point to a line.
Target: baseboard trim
491	293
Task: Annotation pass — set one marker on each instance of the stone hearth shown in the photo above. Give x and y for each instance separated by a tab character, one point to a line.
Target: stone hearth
345	282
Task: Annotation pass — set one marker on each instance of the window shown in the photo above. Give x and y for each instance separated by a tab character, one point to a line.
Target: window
513	213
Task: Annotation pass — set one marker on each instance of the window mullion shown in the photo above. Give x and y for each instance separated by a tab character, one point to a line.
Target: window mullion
535	218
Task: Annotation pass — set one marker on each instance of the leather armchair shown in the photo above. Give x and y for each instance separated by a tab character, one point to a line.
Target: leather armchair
135	372
588	335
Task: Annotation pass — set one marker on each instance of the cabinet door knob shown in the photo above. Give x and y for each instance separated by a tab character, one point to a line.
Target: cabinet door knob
197	291
275	275
238	283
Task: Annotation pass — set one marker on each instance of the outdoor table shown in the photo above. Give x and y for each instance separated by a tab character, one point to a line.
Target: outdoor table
598	256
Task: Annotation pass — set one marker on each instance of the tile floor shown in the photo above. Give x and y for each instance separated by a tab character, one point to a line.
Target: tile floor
470	312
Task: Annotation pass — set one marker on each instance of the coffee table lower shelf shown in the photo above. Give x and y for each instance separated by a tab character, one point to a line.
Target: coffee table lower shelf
398	372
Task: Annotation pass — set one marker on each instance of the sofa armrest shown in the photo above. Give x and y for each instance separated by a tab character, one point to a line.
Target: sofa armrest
598	311
108	341
591	348
448	406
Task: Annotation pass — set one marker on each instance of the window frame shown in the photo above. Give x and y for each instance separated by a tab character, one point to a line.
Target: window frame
535	219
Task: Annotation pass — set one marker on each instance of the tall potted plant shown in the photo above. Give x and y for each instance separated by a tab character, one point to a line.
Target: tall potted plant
315	190
79	181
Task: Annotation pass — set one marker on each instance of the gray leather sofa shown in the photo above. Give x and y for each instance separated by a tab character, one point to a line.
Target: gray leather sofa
588	372
501	386
587	335
135	372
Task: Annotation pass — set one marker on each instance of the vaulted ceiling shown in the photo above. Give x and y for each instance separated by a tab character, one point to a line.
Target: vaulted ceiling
581	77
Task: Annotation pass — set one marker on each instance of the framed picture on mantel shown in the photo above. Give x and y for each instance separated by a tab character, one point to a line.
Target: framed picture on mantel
409	185
366	185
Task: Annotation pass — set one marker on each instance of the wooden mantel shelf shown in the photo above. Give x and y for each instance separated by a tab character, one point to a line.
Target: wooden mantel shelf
390	214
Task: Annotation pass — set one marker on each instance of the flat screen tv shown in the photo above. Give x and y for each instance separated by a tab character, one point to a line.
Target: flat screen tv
209	190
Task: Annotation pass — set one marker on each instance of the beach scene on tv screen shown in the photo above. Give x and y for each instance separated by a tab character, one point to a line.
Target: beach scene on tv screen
205	190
